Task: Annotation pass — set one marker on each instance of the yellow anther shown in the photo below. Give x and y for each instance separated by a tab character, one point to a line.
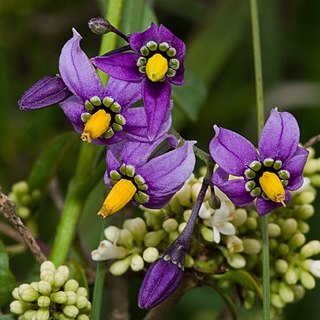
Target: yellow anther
272	187
122	192
156	68
96	126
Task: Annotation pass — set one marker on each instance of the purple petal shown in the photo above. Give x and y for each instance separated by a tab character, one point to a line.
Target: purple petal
138	39
162	278
166	174
178	79
112	164
232	152
121	66
73	108
77	71
125	93
234	189
156	97
265	206
280	136
136	124
44	93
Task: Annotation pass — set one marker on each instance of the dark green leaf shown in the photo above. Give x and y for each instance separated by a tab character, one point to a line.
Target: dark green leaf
7	317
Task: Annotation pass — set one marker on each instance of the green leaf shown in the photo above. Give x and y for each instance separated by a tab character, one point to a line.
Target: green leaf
7	280
7	317
191	96
243	278
48	161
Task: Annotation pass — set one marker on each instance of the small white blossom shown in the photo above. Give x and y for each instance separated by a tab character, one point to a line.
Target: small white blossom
107	250
313	266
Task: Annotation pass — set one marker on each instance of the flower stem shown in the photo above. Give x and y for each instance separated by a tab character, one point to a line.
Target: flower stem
260	124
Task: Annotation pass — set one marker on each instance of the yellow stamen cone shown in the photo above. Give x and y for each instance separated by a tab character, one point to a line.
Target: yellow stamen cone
157	67
96	126
122	192
272	187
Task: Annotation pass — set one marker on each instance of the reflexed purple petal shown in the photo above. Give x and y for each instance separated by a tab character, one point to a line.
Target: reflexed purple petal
234	189
125	93
121	66
280	136
112	164
232	152
162	278
265	206
295	183
156	97
136	124
77	71
166	174
138	39
178	79
44	93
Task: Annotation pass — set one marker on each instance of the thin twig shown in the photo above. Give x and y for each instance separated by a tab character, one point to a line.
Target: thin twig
7	209
312	141
161	310
55	194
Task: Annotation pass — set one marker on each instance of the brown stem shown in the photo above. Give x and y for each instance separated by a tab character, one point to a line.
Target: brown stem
161	310
7	209
312	141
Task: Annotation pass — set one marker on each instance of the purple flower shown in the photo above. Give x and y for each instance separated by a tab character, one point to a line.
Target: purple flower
156	62
132	175
268	174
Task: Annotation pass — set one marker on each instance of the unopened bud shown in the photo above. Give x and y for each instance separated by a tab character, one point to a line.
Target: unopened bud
173	235
239	217
189	262
47	275
299	292
71	285
126	238
297	240
112	233
305	197
43	314
153	238
137	262
120	267
283	249
43	301
207	234
303	226
70	311
315	180
27	293
99	26
281	266
313	266
291	276
81	302
82	292
82	317
251	246
15	294
286	293
30	314
47	265
311	166
137	227
175	206
150	254
307	280
184	195
249	299
273	244
288	227
71	297
181	226
170	225
304	211
18	307
236	260
59	279
251	223
195	191
59	297
276	301
186	215
20	188
23	212
310	249
274	230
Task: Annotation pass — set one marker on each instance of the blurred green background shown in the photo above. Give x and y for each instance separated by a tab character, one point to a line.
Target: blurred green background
220	85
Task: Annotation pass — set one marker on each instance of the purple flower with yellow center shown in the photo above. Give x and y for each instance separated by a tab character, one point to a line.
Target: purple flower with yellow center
267	174
156	62
133	175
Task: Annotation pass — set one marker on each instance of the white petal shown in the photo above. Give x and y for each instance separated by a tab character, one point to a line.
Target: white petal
227	229
216	235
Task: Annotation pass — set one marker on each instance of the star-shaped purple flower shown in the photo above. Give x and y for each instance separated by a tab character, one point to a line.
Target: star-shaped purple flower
267	174
133	175
156	62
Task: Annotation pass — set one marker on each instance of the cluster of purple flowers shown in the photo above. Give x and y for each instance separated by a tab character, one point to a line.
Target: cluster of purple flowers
131	115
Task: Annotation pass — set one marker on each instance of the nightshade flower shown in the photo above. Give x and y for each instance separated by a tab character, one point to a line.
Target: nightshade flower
156	62
151	182
268	174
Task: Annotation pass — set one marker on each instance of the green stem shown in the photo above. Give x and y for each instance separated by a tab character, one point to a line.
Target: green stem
260	123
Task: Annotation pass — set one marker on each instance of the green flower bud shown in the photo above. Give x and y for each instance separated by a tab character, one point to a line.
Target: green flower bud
120	267
18	307
27	293
184	195
20	188
36	195
315	180
15	294
310	167
30	314
239	217
276	301
291	276
71	297
170	225
189	262
137	227
175	206
236	260
273	244
225	284
195	191
71	285
274	286
297	240
137	262
23	212
173	235
288	227
82	292
150	254
207	234
83	317
251	223
64	270
307	280
286	293
43	301
310	249
153	220
59	297
281	266
181	226
304	211
303	226
186	215
47	275
70	311
251	246
43	314
112	233
153	238
126	238
305	197
274	230
249	299
26	200
47	265
283	249
81	302
299	292
59	279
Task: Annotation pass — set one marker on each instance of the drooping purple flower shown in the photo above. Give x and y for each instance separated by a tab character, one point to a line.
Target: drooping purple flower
267	174
157	61
133	175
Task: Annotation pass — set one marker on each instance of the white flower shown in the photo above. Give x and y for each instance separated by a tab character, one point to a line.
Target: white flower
313	266
219	222
107	250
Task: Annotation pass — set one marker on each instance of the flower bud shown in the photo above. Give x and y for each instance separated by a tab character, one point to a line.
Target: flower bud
276	301
288	227
313	266
43	314
315	180
126	238
173	235
47	275
59	279
291	276
137	262
27	293
186	215
310	249
181	226
305	197
153	238
286	293
150	254
239	217
170	225
18	307
23	212
189	262
175	206
283	249
137	227
207	234
251	223
273	244
99	26
234	244
249	299
120	267
30	314
71	285
195	191
81	302
15	294
205	212
251	246
43	301
70	311
20	188
236	260
59	297
307	280
83	317
299	292
152	219
304	211
71	297
297	240
274	230
47	265
107	250
303	226
82	292
112	233
281	266
184	195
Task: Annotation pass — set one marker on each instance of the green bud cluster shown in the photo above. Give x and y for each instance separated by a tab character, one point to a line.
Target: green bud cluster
54	296
26	200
